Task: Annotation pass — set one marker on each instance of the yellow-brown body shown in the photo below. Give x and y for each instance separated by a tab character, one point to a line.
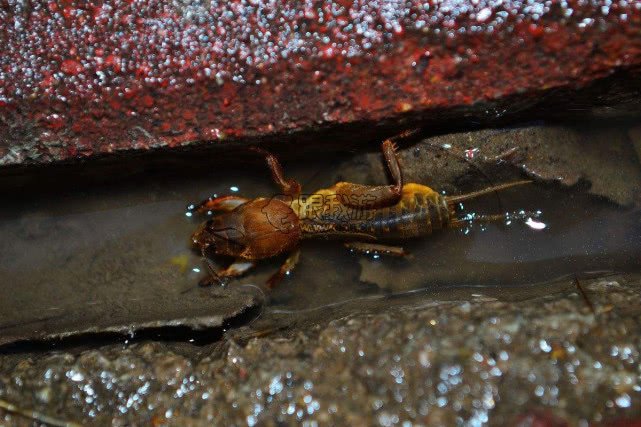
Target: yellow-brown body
250	230
263	228
419	212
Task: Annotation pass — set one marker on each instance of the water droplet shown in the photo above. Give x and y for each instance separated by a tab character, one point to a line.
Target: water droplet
484	14
534	224
544	346
623	401
471	153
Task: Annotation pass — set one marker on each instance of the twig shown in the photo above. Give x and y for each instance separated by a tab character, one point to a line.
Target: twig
36	416
584	295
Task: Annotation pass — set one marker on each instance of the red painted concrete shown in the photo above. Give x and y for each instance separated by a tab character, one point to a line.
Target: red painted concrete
84	78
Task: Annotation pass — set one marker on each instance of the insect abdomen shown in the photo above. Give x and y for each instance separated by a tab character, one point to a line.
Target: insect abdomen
420	212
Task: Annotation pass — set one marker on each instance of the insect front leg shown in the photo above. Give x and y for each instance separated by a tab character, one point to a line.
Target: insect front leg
238	268
377	249
223	203
287	266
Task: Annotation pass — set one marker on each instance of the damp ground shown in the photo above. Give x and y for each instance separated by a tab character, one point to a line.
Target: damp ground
101	273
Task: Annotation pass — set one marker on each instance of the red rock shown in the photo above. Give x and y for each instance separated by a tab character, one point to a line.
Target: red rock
147	101
188	72
71	67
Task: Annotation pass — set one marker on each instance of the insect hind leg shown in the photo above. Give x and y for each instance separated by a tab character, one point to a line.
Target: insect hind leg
374	197
285	268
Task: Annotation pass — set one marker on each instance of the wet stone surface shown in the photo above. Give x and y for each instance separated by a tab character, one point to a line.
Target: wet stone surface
116	258
468	361
98	270
484	325
570	155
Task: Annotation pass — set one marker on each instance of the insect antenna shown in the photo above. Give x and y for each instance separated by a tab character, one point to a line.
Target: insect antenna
451	200
474	166
413	132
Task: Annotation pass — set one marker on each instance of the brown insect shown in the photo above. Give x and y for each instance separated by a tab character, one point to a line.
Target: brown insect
365	217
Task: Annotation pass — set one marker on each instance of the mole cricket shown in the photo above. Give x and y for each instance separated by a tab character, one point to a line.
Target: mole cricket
366	218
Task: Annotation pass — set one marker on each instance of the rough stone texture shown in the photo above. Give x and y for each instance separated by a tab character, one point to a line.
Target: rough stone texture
84	78
471	361
569	155
635	136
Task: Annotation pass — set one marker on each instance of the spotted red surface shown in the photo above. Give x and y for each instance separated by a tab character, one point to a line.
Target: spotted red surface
80	78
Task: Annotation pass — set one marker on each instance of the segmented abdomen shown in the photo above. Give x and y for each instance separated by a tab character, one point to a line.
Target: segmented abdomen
420	212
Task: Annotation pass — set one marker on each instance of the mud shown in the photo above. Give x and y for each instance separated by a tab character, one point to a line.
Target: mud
489	324
74	274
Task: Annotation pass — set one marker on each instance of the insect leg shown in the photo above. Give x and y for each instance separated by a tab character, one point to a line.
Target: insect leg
289	187
377	249
584	295
224	203
373	197
287	266
238	268
213	278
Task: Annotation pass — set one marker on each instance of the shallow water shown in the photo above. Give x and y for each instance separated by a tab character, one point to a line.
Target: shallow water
127	247
581	236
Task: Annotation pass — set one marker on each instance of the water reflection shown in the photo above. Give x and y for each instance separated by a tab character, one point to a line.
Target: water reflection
131	244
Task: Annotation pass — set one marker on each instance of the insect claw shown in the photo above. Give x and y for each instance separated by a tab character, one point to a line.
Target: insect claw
208	281
205	282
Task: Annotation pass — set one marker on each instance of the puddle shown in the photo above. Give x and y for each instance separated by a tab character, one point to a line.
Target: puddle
581	236
117	257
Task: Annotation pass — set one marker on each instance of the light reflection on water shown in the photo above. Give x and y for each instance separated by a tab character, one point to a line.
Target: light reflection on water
66	250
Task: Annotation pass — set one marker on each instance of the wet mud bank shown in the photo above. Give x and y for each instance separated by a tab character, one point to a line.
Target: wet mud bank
525	318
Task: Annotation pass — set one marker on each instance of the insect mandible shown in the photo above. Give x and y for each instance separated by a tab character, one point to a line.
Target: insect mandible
366	218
